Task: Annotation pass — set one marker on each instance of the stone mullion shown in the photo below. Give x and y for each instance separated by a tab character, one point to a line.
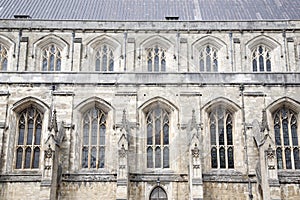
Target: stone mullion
217	138
282	143
90	138
225	140
98	142
291	140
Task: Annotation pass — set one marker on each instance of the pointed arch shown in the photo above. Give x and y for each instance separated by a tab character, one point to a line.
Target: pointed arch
169	106
214	41
222	101
156	40
104	39
284	101
263	40
7	51
27	101
158	193
92	102
48	40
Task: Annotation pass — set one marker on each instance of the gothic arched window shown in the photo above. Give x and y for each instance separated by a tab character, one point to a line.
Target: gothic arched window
93	139
157	138
156	59
261	59
221	138
51	58
3	58
104	60
208	59
158	194
29	139
286	139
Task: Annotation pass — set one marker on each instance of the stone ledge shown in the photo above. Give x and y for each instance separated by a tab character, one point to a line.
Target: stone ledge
162	177
20	178
289	176
91	177
230	176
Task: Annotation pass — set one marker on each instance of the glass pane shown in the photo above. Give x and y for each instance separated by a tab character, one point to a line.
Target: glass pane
277	134
201	65
296	158
261	63
86	134
51	63
285	132
288	161
213	134
102	157
214	160
221	131
208	63
104	63
279	158
156	63
4	65
215	65
166	157
94	132
97	65
158	193
27	158
157	131
30	132
294	135
93	157
149	157
19	158
157	157
166	134
111	65
36	158
21	135
229	134
254	64
58	64
149	134
163	65
84	157
45	64
268	65
102	134
230	158
38	132
149	65
222	158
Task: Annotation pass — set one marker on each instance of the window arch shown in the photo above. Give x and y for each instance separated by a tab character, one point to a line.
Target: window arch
156	59
104	59
208	59
3	57
286	139
51	58
157	120
93	138
221	138
261	58
29	138
158	193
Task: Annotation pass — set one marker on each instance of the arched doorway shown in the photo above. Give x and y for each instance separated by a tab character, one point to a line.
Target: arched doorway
158	194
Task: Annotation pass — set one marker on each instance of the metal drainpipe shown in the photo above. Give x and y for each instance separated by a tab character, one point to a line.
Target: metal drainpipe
242	87
72	54
19	46
125	50
285	51
231	50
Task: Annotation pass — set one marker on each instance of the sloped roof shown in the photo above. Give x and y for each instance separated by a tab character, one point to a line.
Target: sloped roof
152	10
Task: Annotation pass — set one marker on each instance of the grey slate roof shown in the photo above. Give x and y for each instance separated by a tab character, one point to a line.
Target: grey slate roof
152	10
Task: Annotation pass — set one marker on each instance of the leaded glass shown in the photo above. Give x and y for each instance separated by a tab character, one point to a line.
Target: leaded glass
3	58
208	59
51	58
104	58
261	59
156	59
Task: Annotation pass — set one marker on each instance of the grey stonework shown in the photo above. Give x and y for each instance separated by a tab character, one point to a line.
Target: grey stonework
130	91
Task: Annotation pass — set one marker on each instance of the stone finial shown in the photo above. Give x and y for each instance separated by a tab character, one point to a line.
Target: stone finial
53	122
264	123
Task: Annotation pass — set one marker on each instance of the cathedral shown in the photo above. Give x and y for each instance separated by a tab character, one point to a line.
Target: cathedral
150	100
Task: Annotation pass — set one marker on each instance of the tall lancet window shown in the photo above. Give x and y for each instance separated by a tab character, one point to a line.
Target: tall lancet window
221	138
157	138
93	139
208	59
29	139
286	139
104	59
51	58
3	57
261	59
156	59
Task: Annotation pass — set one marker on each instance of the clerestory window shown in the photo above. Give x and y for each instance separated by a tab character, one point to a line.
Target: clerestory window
3	58
29	139
156	59
208	59
157	138
93	139
51	58
261	59
286	139
104	59
221	138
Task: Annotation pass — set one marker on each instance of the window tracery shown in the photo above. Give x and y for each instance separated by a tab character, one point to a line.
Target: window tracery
158	194
221	138
286	139
104	59
157	138
29	139
156	59
93	141
261	59
3	58
51	58
208	59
